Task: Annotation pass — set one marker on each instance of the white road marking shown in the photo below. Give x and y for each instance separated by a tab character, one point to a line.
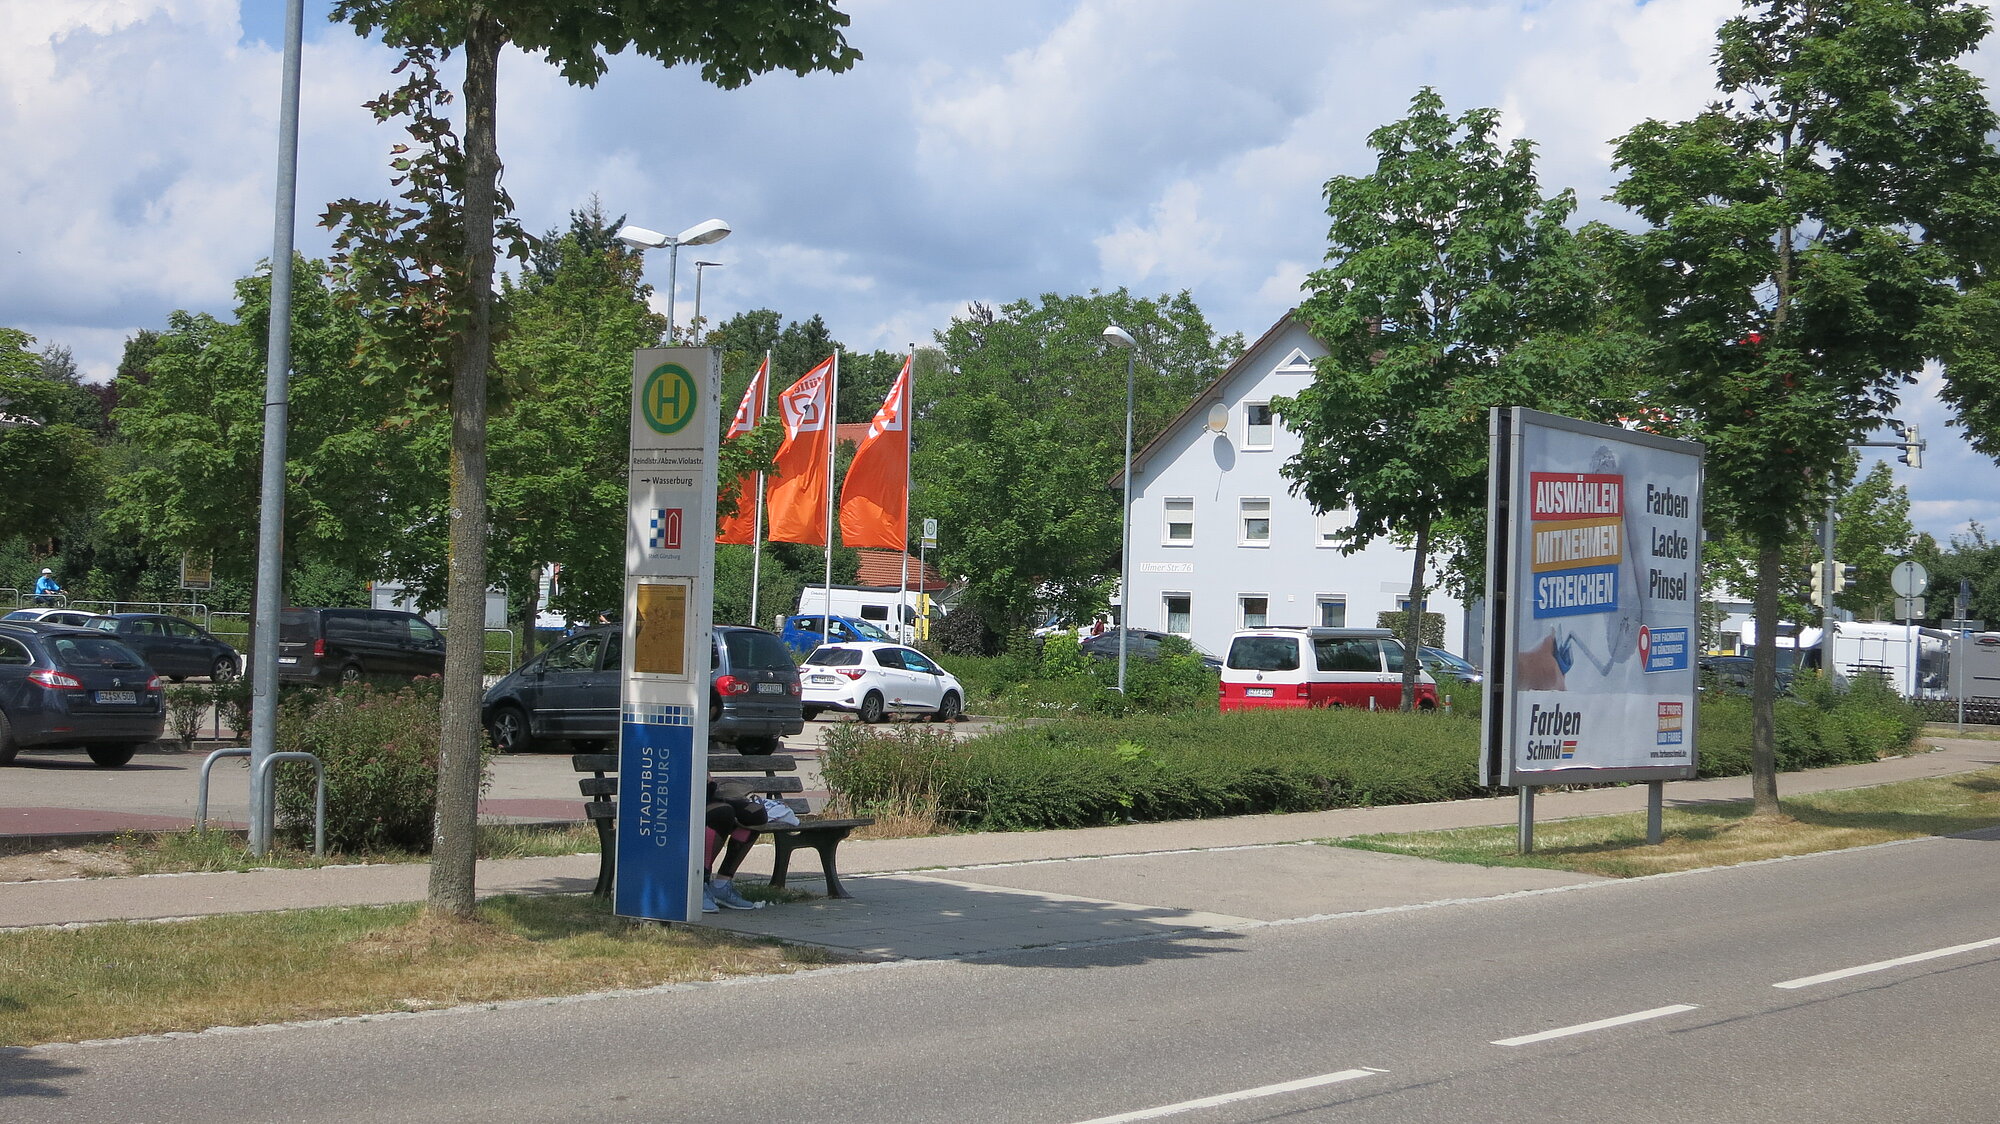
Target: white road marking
1243	1095
1882	965
1601	1024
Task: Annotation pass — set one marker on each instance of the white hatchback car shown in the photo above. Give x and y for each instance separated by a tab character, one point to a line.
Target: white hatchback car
68	618
874	680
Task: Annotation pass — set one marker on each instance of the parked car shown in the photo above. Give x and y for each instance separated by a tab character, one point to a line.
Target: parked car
75	687
1439	662
348	645
69	618
570	692
802	631
1143	644
173	647
874	680
1731	674
1294	667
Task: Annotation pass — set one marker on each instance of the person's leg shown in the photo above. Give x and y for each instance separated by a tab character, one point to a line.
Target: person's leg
721	823
723	889
738	849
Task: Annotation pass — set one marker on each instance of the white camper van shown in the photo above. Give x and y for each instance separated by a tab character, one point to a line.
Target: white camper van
877	605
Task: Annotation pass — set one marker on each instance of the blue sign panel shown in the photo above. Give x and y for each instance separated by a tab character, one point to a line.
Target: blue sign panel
1567	593
657	864
1664	649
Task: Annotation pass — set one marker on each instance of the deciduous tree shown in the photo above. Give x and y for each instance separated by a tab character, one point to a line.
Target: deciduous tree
425	268
1808	237
1453	286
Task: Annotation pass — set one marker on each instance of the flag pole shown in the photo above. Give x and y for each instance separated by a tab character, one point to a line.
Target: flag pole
757	522
905	409
832	439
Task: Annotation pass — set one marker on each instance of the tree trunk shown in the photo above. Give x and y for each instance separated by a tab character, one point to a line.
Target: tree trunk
454	849
531	609
1413	620
1764	685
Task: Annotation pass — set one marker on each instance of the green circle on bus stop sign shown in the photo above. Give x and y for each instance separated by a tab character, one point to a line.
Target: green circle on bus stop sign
669	399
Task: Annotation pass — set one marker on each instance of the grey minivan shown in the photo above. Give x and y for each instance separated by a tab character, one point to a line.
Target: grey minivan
570	692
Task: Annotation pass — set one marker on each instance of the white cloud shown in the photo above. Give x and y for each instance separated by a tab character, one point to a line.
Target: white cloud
982	150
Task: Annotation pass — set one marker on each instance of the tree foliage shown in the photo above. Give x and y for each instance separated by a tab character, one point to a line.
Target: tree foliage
1020	436
52	463
1808	238
1453	286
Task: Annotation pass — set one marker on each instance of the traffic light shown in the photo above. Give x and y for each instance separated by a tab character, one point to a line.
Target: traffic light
1819	584
1913	446
1844	574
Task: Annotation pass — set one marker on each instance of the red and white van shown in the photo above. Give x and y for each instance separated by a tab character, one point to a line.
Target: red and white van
1293	667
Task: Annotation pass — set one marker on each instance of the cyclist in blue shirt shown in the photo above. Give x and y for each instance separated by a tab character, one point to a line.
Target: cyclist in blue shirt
46	587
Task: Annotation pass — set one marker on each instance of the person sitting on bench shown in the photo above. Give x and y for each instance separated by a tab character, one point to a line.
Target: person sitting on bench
729	824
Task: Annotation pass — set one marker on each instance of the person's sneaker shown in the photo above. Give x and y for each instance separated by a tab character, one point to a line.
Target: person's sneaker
723	890
708	898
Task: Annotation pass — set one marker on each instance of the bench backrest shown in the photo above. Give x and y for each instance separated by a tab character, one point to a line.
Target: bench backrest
736	773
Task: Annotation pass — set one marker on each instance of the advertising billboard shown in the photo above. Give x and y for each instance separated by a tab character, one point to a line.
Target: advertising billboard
669	583
1593	596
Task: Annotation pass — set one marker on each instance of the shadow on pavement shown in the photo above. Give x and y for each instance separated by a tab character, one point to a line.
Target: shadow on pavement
25	1073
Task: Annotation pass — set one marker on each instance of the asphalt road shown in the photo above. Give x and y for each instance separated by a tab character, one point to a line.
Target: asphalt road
1690	998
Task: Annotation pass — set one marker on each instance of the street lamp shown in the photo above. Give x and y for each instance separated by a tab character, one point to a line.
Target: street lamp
1119	337
700	234
696	323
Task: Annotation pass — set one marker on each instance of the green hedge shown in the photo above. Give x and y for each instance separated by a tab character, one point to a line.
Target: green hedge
1052	678
380	749
1090	770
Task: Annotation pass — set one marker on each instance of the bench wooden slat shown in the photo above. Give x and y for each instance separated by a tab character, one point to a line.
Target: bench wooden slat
776	786
598	786
601	810
752	763
594	762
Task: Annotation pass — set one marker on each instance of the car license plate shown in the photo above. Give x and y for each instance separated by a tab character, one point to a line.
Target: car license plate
770	688
1256	692
117	697
824	679
288	659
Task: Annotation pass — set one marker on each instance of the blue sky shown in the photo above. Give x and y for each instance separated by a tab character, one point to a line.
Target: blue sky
984	150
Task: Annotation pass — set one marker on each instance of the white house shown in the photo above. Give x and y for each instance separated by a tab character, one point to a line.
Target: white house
1219	542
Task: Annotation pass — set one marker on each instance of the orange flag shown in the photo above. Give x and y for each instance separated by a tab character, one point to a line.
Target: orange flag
742	527
798	493
875	500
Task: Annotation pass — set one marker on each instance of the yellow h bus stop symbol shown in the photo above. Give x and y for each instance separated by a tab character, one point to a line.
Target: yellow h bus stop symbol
669	399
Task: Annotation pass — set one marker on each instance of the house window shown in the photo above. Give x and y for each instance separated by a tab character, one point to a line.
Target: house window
1256	425
1256	522
1180	522
1402	602
1179	610
1256	609
1325	525
1330	610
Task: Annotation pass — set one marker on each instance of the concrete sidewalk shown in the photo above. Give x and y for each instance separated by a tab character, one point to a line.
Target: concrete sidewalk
964	895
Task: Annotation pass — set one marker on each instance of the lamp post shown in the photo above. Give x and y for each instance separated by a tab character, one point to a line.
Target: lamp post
700	234
695	324
1119	337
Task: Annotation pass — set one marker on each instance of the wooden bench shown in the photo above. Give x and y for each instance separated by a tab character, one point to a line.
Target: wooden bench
736	775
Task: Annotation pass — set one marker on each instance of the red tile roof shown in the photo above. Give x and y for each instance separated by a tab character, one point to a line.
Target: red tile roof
884	568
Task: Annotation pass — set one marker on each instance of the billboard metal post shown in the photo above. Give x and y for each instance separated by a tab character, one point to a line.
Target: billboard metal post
669	598
1593	592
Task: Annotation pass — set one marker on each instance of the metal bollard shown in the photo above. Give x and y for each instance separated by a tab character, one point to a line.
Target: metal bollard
201	790
262	778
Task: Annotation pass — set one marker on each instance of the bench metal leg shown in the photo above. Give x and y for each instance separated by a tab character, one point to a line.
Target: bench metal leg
607	857
824	841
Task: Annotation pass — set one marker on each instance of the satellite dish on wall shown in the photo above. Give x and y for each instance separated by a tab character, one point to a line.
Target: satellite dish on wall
1218	418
